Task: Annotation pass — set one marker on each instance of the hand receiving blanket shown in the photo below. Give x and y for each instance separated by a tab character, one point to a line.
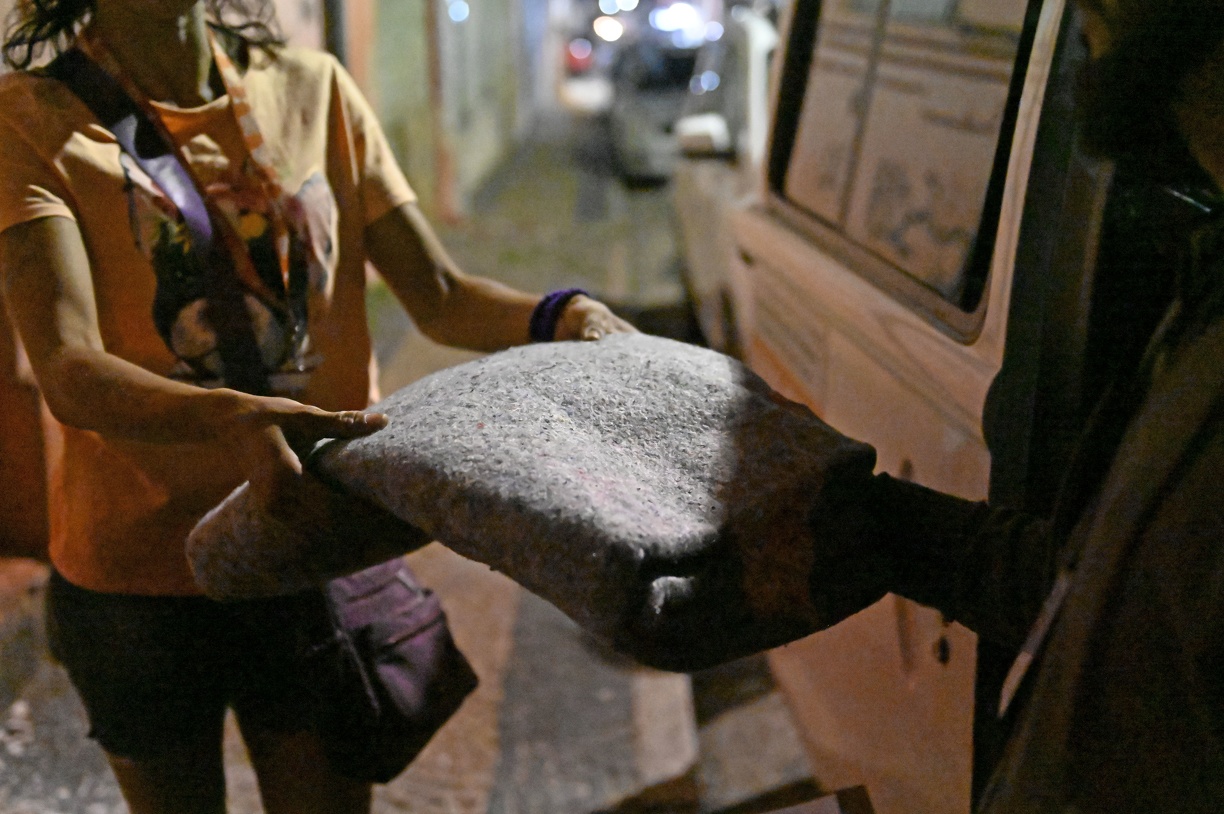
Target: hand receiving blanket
657	493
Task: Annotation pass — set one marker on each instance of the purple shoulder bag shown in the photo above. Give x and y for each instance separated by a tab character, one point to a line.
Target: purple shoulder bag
389	676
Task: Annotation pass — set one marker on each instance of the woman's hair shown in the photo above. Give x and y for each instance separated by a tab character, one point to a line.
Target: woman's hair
40	24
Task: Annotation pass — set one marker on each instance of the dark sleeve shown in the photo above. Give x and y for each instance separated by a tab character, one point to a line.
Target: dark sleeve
989	569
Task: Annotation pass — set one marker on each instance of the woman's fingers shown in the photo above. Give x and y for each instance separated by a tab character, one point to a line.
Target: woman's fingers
267	435
588	319
599	325
346	424
273	468
276	465
306	424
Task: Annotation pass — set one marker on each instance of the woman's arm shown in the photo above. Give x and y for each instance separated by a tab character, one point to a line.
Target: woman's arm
50	296
458	309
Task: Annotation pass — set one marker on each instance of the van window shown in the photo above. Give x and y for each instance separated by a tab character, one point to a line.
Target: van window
893	144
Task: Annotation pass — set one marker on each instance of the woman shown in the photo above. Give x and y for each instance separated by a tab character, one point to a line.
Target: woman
132	329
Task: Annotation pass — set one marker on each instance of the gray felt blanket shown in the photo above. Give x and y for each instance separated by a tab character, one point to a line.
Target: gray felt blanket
657	493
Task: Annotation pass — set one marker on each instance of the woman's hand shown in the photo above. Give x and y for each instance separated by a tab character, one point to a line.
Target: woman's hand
268	435
587	319
307	530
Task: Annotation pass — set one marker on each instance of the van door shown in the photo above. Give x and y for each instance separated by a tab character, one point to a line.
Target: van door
879	262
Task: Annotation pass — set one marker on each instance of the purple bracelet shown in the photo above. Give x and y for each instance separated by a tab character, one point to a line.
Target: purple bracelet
543	324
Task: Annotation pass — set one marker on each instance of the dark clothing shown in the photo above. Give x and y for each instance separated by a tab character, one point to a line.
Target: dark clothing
1123	710
1127	711
156	673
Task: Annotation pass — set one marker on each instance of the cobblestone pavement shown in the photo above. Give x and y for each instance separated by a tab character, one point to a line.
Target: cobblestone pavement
557	725
555	214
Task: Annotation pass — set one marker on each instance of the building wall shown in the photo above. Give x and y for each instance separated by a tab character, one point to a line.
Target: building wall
6	8
534	48
301	21
454	95
6	11
360	29
480	88
400	80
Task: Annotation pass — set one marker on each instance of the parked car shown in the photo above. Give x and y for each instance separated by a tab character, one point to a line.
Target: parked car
650	81
917	266
721	136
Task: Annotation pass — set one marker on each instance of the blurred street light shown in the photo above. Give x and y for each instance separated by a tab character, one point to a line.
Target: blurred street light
608	28
676	17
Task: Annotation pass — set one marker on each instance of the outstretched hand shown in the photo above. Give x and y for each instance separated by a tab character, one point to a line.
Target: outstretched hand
314	530
268	435
587	319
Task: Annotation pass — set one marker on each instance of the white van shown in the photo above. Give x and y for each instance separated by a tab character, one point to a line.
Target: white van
722	135
917	267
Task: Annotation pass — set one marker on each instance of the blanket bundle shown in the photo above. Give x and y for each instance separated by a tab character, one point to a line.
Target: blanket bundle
656	492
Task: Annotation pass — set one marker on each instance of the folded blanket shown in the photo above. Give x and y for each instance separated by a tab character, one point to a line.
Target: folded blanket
656	492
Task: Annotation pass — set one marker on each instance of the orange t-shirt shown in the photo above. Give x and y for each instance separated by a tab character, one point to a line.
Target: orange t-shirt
121	510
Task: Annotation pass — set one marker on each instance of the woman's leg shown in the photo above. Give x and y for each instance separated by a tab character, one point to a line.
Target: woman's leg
148	673
295	777
191	782
273	703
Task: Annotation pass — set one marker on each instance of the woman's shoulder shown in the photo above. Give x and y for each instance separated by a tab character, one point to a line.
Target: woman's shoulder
294	64
31	101
21	92
301	78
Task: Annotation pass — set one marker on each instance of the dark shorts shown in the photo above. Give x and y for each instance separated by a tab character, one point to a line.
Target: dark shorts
156	674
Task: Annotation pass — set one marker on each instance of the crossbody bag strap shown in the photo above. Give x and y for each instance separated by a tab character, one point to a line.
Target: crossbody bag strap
241	362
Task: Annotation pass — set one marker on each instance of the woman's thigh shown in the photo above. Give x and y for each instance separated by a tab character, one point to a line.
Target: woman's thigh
156	675
153	687
179	783
273	704
147	669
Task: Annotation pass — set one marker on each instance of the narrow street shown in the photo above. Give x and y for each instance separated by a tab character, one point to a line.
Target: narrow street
558	725
555	215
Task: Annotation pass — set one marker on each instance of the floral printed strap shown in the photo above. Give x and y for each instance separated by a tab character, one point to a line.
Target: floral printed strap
263	172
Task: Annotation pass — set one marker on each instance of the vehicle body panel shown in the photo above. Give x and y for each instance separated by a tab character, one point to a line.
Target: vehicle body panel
886	698
708	188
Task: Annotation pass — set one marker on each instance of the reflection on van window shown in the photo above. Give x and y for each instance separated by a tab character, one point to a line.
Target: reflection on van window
934	10
899	124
